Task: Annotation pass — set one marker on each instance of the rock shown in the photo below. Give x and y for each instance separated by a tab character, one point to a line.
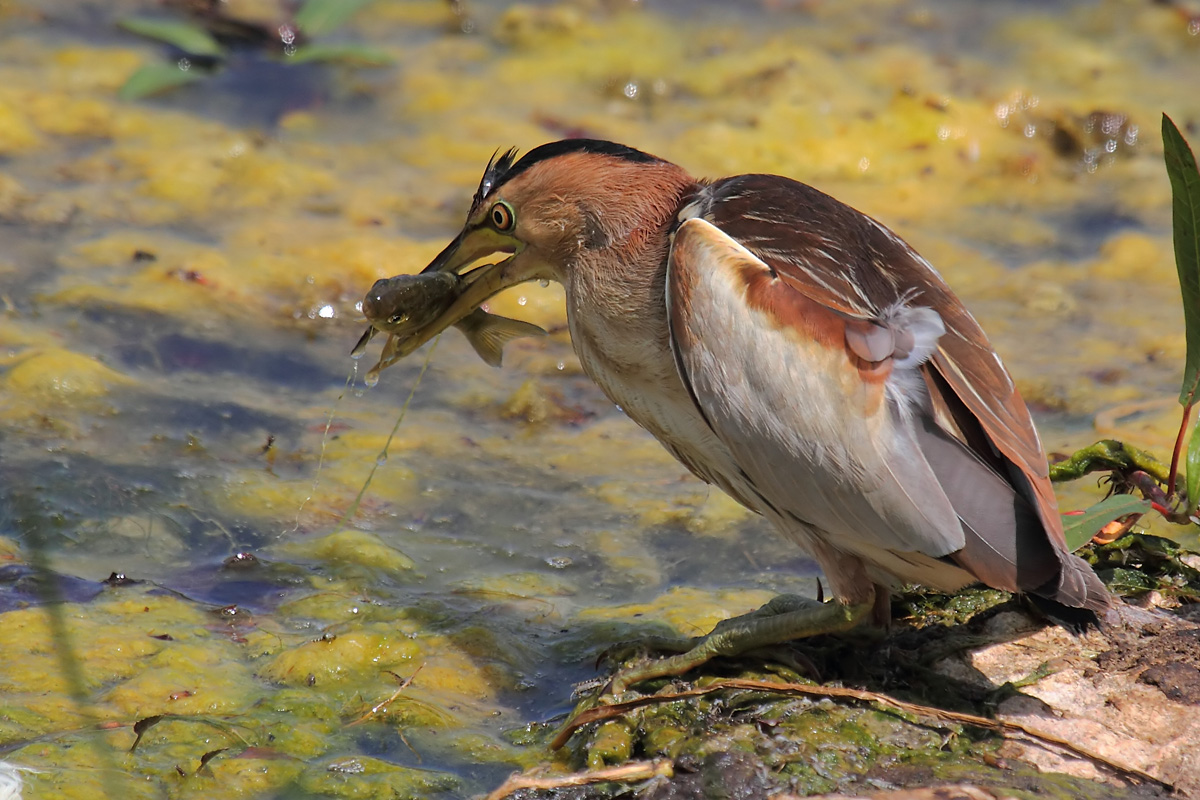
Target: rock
1127	694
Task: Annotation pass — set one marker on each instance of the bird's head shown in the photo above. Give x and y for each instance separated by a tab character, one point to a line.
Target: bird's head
576	203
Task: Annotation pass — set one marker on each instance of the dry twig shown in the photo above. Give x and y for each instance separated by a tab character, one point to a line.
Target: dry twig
637	771
378	707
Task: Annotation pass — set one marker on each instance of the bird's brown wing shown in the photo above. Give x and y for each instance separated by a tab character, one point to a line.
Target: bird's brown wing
850	264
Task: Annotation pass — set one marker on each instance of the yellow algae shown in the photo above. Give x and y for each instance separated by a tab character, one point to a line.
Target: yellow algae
524	25
16	133
157	273
719	515
55	378
340	193
356	547
670	501
65	115
690	611
587	450
517	585
544	306
243	776
12	195
340	657
90	69
260	492
447	670
112	639
363	778
332	606
412	12
71	772
198	677
342	263
611	743
1136	257
531	403
627	556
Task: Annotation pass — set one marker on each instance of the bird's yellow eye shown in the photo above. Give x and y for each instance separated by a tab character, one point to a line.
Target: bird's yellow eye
502	217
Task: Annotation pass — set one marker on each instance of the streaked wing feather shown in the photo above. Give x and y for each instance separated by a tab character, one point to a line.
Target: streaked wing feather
807	429
853	265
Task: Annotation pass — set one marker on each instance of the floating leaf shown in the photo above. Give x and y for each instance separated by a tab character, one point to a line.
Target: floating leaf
155	78
1080	528
349	53
1126	582
191	39
1185	191
318	17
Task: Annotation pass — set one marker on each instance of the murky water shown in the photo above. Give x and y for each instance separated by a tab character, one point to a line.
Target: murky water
179	278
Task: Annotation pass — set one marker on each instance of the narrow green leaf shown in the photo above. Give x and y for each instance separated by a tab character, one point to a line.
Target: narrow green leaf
156	78
1192	471
1080	528
191	39
1185	221
345	53
318	17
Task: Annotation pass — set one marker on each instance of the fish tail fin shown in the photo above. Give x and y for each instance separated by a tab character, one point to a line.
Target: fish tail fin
490	337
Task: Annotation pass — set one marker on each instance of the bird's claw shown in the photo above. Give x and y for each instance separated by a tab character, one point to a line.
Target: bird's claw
640	650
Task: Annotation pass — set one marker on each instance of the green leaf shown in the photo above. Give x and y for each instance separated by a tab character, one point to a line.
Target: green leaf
191	39
155	78
346	53
1126	582
1080	528
1192	470
1185	220
318	17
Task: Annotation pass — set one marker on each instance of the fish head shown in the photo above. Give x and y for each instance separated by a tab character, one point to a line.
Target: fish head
404	304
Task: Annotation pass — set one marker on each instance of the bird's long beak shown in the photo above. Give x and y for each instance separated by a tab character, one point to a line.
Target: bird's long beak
478	284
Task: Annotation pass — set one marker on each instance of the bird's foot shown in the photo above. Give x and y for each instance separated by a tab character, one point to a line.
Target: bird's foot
784	618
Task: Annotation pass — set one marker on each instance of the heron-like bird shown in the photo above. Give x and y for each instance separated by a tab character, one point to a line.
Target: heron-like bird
795	353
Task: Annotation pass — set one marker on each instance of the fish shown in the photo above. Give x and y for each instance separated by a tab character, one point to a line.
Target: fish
405	305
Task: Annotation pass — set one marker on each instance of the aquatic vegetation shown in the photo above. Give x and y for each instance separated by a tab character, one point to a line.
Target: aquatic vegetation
204	45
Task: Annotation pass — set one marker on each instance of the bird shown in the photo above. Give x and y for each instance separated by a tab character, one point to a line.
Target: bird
797	354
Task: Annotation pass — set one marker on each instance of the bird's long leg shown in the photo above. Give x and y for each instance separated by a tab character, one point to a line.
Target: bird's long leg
784	618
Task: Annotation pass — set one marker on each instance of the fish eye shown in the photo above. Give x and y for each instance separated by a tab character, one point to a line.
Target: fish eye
502	217
396	319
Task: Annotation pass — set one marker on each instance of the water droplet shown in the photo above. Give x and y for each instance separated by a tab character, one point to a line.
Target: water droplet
543	283
522	300
561	366
381	459
559	562
372	377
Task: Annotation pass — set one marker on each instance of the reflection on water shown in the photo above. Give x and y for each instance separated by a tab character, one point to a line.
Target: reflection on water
179	279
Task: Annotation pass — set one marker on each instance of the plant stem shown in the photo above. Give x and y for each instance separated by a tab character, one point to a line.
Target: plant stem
1183	429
